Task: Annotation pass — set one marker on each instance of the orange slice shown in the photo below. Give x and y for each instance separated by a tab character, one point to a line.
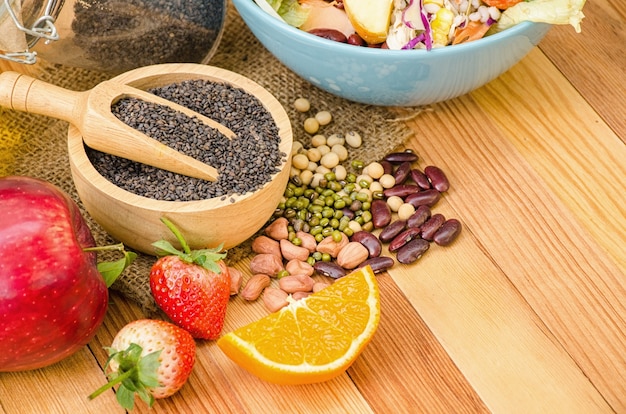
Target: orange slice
313	339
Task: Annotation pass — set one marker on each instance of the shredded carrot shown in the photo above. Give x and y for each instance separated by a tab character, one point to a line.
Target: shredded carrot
471	31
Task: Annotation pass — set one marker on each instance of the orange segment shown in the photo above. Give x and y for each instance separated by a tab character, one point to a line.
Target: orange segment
311	340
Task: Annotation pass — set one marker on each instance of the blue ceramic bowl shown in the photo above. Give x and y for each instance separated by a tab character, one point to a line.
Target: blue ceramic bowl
391	77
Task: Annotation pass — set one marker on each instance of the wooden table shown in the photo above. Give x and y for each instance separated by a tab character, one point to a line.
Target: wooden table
525	312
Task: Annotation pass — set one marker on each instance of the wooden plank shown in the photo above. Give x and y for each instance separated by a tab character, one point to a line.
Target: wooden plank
594	61
587	301
532	238
405	367
59	388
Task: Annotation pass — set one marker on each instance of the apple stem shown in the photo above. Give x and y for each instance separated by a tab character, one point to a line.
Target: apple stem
178	234
119	247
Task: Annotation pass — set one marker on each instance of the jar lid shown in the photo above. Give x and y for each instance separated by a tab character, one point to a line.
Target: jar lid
22	28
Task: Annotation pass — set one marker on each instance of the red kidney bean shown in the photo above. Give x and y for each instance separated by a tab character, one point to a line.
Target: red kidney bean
371	242
387	167
401	190
330	269
424	198
400	157
420	179
330	34
437	178
403	238
356	40
448	232
431	226
378	264
412	251
392	230
381	213
422	213
402	172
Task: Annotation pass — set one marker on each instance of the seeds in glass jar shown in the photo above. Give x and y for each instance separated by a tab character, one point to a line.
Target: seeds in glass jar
302	104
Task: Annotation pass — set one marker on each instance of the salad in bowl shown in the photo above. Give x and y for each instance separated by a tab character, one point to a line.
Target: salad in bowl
418	24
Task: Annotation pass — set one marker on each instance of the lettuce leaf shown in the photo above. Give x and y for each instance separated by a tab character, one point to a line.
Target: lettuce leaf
289	10
543	11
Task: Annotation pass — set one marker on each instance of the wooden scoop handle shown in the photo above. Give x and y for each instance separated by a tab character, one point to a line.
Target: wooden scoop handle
90	112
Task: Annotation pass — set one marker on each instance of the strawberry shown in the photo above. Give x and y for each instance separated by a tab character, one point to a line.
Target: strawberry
152	358
192	287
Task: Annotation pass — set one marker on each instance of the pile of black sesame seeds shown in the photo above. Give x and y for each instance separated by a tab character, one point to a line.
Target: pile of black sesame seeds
244	163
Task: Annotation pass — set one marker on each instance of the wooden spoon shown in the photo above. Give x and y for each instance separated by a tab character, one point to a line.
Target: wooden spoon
90	112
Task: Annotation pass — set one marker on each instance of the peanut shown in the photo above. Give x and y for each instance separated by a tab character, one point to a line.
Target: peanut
290	251
308	240
266	263
330	246
255	286
264	244
275	299
235	280
298	267
278	229
296	283
300	295
353	254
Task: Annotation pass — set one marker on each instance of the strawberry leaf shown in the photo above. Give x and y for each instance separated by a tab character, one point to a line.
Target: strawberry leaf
207	258
135	374
148	369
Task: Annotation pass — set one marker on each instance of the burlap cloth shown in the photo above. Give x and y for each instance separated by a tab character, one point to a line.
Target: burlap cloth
36	146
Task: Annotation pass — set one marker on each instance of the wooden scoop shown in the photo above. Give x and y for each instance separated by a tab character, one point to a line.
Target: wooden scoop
90	112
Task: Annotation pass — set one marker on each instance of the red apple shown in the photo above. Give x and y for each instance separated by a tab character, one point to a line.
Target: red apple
52	296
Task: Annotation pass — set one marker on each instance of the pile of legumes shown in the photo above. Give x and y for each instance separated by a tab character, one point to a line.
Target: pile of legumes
337	215
244	163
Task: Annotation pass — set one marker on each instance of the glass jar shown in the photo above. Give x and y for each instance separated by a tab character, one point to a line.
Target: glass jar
116	35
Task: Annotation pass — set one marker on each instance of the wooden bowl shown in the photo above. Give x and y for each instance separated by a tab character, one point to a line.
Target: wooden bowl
136	220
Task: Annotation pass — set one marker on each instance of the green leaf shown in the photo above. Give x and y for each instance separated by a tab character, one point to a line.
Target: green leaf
112	270
125	397
207	258
164	248
148	367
